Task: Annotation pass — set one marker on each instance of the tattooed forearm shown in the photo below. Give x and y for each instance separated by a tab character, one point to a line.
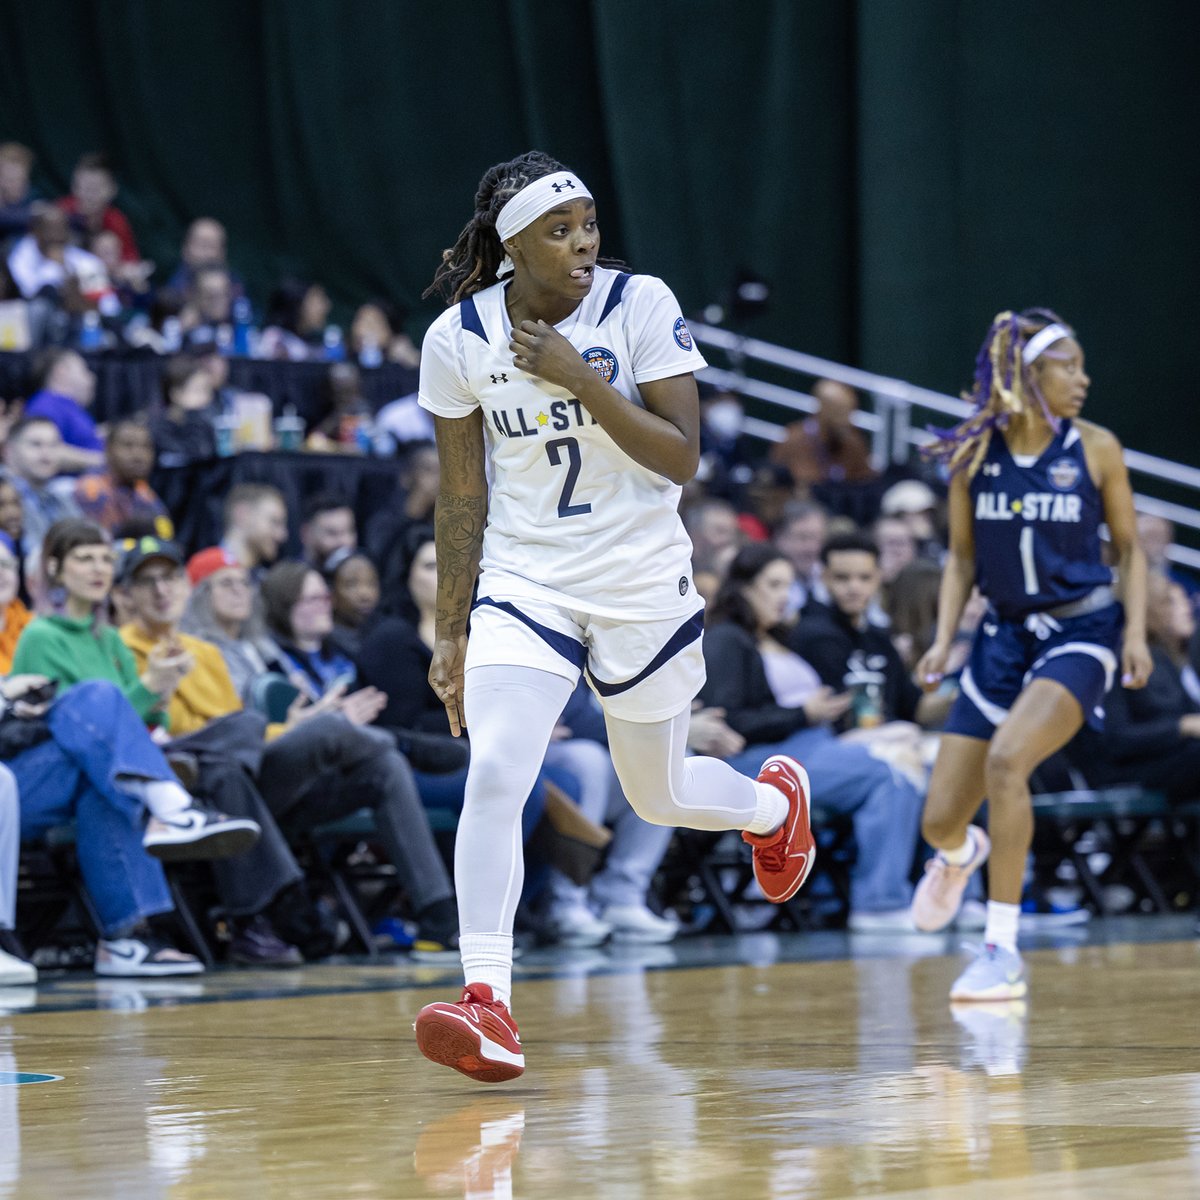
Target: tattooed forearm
459	519
459	523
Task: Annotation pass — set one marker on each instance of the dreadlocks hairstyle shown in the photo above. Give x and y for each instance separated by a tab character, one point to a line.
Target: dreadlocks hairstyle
470	264
1004	387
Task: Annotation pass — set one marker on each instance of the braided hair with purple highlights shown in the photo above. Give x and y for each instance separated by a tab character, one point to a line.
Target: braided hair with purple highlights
1004	387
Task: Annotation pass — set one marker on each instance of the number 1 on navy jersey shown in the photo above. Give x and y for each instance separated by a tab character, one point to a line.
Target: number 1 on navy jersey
574	465
1028	566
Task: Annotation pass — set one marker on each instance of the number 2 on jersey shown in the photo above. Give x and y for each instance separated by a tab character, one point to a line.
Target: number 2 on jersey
574	465
1028	566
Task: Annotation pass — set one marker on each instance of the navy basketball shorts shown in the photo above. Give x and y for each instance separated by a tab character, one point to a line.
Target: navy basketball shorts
1081	653
642	671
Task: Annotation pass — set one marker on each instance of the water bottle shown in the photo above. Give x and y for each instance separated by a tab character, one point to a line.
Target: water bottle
91	332
289	429
242	318
867	705
335	349
369	354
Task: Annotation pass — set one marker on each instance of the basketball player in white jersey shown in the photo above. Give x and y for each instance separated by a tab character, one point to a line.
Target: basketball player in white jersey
567	420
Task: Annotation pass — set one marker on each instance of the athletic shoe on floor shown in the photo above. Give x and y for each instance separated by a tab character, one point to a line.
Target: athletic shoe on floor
143	957
996	974
256	944
890	920
476	1036
938	895
636	923
783	859
577	925
16	972
197	833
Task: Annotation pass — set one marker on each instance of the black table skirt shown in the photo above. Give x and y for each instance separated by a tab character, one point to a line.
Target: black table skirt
129	381
195	495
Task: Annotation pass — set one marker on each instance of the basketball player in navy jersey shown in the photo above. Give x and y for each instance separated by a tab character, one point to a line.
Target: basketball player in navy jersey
570	387
1030	487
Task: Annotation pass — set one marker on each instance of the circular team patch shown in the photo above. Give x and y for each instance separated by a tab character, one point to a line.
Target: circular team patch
1064	474
603	361
682	334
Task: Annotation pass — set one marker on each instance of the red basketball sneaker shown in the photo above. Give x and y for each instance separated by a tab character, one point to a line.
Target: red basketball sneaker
476	1036
783	859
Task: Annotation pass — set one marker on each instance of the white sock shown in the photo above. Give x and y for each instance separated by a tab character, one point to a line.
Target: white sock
1002	925
771	810
960	856
487	958
163	797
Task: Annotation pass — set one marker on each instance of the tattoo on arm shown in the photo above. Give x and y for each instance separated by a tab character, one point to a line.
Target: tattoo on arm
459	525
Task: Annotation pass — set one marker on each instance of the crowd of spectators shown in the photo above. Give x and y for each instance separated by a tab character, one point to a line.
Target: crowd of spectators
820	578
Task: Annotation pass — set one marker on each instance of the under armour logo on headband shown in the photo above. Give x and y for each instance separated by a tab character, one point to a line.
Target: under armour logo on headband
558	187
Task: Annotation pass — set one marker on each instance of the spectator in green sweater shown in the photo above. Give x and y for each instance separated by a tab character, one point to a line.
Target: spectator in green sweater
76	642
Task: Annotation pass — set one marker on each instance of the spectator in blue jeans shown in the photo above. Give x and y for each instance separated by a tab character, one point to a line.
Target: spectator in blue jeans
775	702
97	765
14	970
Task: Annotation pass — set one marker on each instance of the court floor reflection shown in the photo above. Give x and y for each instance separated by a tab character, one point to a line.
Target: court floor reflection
775	1076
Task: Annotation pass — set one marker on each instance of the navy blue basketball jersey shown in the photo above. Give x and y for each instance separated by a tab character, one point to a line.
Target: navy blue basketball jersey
1037	527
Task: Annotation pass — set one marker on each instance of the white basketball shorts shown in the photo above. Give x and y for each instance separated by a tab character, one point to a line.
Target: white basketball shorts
640	670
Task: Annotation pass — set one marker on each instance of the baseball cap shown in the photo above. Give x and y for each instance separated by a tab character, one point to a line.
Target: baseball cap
907	496
203	563
133	552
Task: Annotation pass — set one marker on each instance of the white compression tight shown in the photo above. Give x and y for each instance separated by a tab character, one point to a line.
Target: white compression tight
511	713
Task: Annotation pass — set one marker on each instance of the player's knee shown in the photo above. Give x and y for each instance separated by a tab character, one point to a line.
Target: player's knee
1004	767
939	828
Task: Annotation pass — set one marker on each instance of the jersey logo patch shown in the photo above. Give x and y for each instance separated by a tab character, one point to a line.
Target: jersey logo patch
1064	474
603	361
682	335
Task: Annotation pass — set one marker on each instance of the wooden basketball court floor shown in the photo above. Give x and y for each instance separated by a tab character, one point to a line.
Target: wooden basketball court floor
799	1066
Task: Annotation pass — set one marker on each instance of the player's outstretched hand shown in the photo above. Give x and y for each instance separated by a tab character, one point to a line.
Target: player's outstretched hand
446	678
542	351
1136	663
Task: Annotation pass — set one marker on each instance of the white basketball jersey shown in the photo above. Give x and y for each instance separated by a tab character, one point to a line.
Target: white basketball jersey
571	517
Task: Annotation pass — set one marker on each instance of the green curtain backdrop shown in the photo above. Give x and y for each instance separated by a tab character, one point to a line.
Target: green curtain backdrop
898	170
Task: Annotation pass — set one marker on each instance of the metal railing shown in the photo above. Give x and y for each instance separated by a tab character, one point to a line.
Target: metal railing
894	432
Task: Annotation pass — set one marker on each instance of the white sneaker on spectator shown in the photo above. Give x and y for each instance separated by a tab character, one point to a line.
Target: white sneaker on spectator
198	833
577	925
636	923
891	920
16	972
129	958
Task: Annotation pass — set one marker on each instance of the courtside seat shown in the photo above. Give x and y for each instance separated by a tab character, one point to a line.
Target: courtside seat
272	694
1123	819
351	882
50	881
717	869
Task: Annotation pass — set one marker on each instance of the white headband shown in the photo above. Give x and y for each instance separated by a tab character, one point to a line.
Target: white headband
531	202
1042	340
